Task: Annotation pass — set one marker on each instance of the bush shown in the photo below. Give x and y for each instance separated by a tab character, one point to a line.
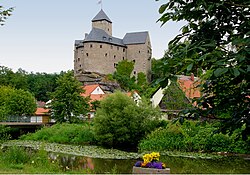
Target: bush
121	123
64	133
4	133
193	136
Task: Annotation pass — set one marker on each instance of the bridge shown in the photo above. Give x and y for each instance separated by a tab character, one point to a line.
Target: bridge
27	121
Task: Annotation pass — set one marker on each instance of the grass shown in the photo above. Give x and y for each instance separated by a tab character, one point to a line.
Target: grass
18	160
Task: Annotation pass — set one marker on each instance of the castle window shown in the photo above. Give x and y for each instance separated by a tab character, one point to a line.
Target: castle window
148	51
106	54
80	65
139	51
123	58
78	59
134	72
123	50
115	65
100	46
114	56
87	54
91	45
134	61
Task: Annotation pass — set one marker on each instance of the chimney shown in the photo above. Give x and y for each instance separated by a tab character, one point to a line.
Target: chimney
192	77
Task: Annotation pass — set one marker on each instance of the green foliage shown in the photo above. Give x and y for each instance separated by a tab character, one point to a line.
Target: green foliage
67	103
123	74
193	136
4	13
16	102
64	133
120	123
15	155
16	80
41	84
4	133
174	98
217	41
20	160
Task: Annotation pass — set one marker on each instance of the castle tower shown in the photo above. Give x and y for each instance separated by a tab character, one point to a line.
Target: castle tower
100	52
102	21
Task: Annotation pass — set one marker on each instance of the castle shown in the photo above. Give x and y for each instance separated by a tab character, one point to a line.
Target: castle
100	52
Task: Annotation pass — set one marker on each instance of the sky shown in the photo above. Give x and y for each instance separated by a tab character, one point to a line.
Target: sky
40	34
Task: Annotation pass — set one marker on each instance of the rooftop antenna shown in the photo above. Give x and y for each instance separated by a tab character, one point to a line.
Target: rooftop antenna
100	2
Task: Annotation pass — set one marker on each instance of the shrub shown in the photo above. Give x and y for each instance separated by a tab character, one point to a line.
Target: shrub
193	136
163	139
4	133
120	123
64	133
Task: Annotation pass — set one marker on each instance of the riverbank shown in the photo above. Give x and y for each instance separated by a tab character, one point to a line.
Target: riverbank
66	159
98	152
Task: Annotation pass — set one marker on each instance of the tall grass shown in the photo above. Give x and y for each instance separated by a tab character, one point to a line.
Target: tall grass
64	133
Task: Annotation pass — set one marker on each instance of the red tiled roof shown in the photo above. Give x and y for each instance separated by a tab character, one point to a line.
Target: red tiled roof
89	89
41	111
98	97
189	86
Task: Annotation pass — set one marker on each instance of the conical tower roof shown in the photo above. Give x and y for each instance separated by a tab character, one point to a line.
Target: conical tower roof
101	16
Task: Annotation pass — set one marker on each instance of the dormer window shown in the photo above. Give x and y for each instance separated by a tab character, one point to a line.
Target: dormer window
104	38
110	39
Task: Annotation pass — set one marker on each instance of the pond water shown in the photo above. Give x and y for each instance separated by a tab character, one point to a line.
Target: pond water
99	160
178	165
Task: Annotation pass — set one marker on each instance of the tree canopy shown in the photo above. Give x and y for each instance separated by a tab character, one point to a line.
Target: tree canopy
216	40
121	123
67	103
16	102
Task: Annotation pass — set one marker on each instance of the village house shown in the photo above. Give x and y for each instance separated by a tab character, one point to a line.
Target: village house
95	93
188	84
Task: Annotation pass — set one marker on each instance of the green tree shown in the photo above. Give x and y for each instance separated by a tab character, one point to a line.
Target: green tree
41	84
67	103
16	79
120	123
16	102
4	13
217	36
123	74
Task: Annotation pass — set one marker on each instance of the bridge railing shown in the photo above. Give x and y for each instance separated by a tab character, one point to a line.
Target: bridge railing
23	119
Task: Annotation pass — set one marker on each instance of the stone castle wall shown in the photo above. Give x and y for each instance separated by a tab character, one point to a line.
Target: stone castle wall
98	57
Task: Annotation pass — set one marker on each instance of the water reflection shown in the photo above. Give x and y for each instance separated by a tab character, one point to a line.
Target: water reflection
178	165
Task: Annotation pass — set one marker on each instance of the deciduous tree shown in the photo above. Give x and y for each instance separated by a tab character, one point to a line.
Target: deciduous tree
217	36
67	103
